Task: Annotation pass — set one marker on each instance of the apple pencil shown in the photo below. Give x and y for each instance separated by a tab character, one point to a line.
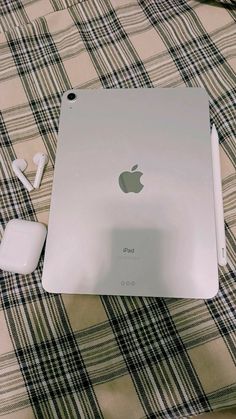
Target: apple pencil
219	210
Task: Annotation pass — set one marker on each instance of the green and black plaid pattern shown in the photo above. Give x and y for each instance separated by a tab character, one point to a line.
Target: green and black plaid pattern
65	356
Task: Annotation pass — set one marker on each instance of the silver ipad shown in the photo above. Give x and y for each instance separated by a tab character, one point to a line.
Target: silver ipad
132	209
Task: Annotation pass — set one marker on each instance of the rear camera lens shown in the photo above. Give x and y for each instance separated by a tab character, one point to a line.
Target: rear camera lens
71	96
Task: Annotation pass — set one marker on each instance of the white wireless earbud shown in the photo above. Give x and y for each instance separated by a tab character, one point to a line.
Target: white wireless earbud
40	159
18	166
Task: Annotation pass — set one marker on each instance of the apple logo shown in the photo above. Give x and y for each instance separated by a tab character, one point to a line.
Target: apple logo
130	181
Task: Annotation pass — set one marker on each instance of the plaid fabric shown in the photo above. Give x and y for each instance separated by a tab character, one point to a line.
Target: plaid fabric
73	356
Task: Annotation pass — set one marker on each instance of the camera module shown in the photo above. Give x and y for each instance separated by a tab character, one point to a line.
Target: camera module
71	97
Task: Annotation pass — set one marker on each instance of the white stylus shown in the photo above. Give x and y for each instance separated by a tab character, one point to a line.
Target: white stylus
219	209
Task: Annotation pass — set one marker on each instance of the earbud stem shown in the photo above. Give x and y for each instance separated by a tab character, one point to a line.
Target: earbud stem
39	173
17	170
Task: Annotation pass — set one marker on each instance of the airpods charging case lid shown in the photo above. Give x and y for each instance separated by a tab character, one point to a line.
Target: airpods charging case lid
21	246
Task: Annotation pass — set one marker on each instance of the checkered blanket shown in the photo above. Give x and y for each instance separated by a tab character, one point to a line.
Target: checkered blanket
74	356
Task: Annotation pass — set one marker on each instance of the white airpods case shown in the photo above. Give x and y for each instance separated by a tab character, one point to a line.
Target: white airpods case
21	246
